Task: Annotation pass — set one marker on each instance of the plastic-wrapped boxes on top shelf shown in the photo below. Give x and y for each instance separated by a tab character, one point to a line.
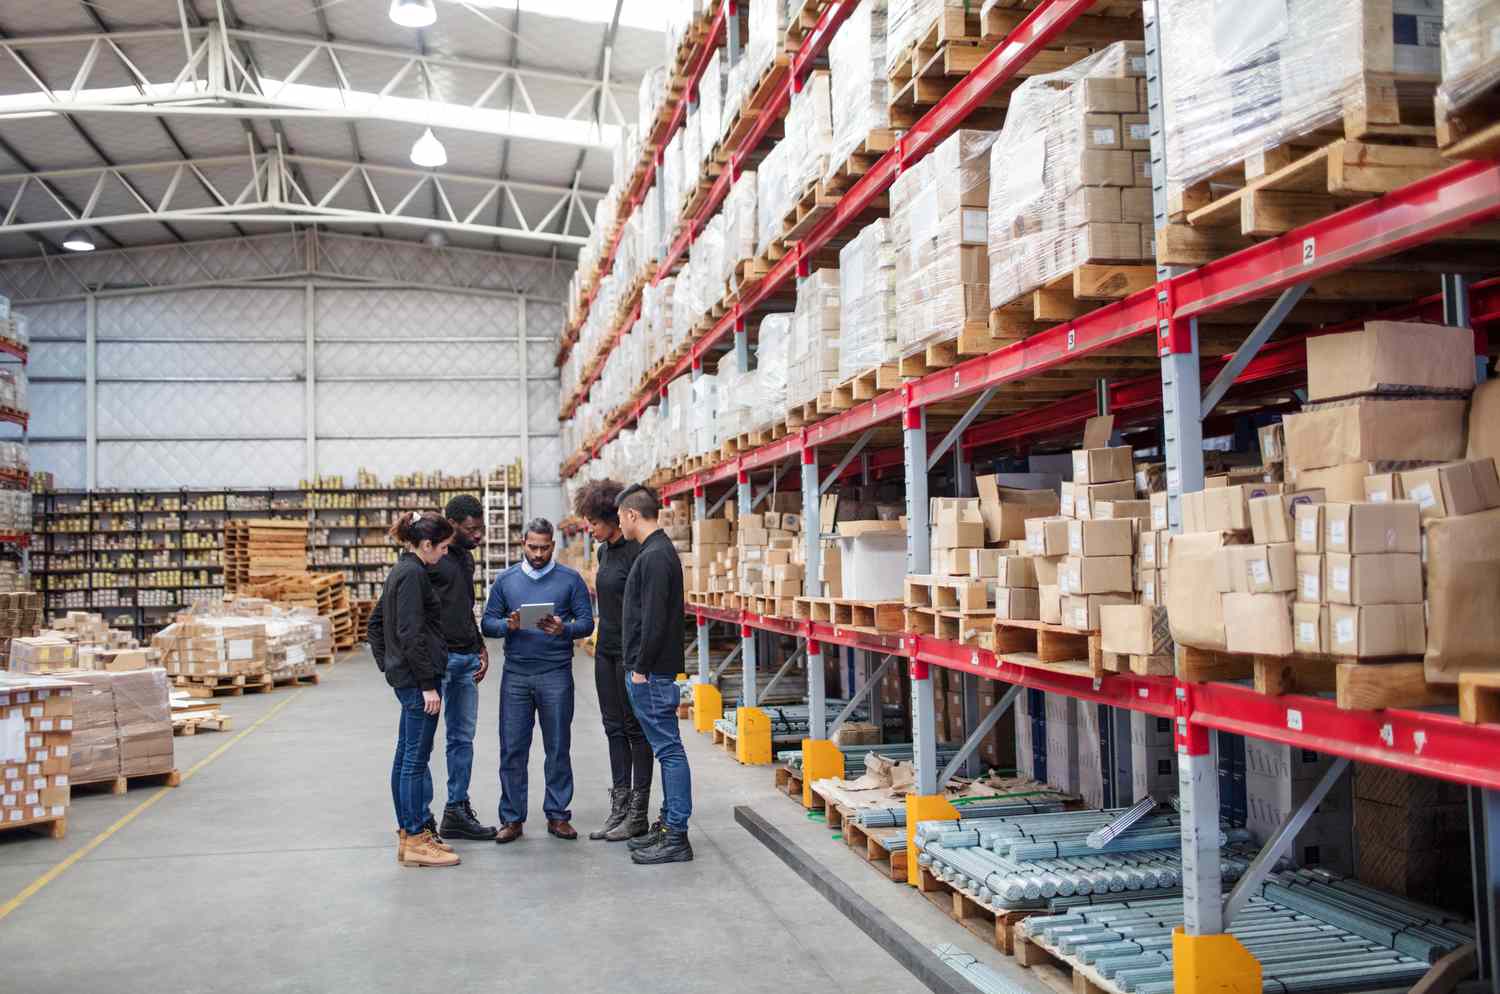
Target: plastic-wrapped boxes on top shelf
768	403
649	97
706	258
1066	190
771	177
1471	58
739	225
13	457
692	154
809	137
856	61
658	308
734	397
673	179
1243	78
679	16
13	328
938	224
768	19
13	389
711	105
678	443
813	353
908	20
867	301
650	230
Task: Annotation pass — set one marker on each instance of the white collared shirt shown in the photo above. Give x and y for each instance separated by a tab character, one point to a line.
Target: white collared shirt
537	574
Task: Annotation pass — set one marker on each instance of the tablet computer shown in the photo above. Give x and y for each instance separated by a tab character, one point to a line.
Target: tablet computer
531	614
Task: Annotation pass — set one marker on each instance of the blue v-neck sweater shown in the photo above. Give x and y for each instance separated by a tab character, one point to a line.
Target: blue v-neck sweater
530	650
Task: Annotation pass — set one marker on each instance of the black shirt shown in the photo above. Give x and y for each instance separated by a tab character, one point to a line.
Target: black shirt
615	560
653	618
405	633
453	579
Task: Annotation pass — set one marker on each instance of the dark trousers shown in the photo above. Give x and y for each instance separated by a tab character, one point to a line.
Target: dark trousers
527	699
629	752
411	776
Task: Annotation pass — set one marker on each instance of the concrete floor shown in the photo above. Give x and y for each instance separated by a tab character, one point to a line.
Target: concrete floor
272	869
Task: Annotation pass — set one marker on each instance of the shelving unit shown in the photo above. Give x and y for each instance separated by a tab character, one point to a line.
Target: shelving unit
1159	324
504	519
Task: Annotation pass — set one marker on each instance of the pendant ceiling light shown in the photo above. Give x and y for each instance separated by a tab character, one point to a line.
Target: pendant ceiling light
78	240
428	152
413	13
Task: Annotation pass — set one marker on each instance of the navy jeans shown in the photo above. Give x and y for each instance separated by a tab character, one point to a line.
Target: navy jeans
655	703
460	715
411	776
525	700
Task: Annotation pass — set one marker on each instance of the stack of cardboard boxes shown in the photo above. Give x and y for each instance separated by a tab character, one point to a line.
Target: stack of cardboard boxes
36	715
122	724
1278	778
769	554
199	647
20	616
1413	836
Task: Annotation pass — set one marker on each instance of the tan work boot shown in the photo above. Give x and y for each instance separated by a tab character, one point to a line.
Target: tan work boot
422	850
400	845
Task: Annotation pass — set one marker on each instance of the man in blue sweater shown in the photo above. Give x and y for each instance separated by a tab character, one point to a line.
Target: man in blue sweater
537	681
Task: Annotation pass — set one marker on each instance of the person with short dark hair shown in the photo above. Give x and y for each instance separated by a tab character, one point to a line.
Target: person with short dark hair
653	630
629	752
536	685
406	639
468	662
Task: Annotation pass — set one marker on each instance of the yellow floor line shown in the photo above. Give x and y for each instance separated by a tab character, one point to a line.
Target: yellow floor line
36	885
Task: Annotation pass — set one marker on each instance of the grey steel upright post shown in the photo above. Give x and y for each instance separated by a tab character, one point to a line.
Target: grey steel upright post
919	561
700	512
747	635
817	691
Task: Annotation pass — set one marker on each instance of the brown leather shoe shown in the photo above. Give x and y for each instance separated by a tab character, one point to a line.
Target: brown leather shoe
508	833
562	830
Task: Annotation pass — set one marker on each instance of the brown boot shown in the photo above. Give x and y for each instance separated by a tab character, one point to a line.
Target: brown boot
400	845
422	850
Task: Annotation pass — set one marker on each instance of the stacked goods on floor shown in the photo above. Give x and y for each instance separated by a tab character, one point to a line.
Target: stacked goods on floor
208	651
274	547
323	595
1073	188
36	713
122	725
1466	99
20	616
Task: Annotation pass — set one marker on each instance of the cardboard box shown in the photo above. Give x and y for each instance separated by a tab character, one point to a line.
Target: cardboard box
1365	528
1376	630
1307	536
1016	571
1271	515
1148	549
1104	465
1453	488
1005	510
1101	538
1081	613
1258	623
1047	569
1096	575
1463	573
1310	578
1193	601
1018	604
958	535
1390	357
1088	496
1049	603
1382	488
872	560
1159	520
1259	569
1047	536
1484	422
1135	629
1272	449
1310	627
1379	578
1414	428
1149	583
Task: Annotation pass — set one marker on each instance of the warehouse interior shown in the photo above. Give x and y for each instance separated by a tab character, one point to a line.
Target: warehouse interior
1068	443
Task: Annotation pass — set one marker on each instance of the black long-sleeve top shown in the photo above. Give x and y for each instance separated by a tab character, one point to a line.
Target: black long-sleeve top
615	560
406	636
453	579
653	619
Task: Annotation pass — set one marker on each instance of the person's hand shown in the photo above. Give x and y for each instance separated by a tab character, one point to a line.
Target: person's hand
484	664
637	677
514	620
431	702
551	625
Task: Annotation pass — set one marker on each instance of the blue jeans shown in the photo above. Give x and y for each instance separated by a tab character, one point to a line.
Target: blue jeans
460	715
525	699
655	703
411	777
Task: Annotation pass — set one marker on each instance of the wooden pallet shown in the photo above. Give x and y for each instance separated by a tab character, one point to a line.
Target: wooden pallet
801	415
946	593
789	782
974	338
757	101
193	724
1120	662
997	926
1359	685
1479	697
842	175
120	784
862	386
1045	643
53	828
869	845
223	686
802	20
307	680
929	67
1062	973
1086	287
876	617
1473	131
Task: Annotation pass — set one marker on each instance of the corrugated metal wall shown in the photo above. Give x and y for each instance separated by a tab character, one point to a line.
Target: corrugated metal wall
208	385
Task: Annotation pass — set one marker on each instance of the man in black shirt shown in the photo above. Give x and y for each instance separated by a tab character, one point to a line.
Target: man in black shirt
652	638
468	662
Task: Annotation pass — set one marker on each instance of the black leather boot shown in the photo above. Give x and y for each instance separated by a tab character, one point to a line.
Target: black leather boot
634	823
672	846
652	835
619	803
460	822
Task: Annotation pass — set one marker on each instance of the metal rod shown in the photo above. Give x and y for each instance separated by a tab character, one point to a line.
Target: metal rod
1267	327
864	692
985	726
785	667
843	463
956	432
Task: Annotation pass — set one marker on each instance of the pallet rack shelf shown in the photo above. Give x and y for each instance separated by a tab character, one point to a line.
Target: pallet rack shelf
1159	323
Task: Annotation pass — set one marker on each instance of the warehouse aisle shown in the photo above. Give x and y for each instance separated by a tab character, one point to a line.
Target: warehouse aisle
272	869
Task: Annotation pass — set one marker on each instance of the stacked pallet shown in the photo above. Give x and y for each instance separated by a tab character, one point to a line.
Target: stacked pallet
122	727
363	608
261	548
323	594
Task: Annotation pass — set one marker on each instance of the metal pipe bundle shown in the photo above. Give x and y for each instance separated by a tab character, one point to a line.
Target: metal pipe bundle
973	809
1338	935
984	979
788	721
854	755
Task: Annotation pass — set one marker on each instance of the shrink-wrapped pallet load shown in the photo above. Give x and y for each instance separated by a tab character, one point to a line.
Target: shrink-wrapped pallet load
856	62
867	301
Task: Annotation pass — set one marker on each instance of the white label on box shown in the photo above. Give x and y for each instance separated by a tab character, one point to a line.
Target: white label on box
13	739
24	697
16	815
922	215
1340	581
1422	494
65	724
1307	529
1260	572
1294	719
1336	532
1081	618
61	781
1343	632
295	654
1034	544
1159	518
33	768
1140	132
974	225
1310	587
58	752
1066	504
241	648
1307	633
34	712
44	725
1148	589
1102	136
1138	64
31	797
38	783
1075	541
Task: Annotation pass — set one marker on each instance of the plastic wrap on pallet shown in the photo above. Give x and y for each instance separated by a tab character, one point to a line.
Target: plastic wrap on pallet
692	154
706	258
627	253
680	418
770	196
856	61
1471	52
704	413
907	20
768	20
1066	191
736	394
938	210
735	92
679	17
649	97
651	233
672	180
772	357
867	300
1242	78
813	354
809	135
711	104
739	225
683	319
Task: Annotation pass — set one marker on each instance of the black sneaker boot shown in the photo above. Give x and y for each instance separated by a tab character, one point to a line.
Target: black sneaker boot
634	825
619	803
672	846
652	835
460	822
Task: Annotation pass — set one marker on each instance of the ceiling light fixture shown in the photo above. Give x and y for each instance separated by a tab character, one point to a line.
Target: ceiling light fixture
413	13
428	152
78	240
435	239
